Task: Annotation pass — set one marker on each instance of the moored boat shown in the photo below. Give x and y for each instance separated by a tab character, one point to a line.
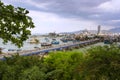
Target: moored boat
46	39
64	40
33	40
46	44
1	48
11	49
55	42
108	41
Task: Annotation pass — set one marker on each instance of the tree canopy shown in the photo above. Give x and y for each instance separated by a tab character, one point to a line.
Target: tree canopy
15	24
96	63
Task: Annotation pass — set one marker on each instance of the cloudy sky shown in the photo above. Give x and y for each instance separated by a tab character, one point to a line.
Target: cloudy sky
70	15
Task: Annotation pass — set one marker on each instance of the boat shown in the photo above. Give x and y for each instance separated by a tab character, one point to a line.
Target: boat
36	47
1	48
64	40
11	49
47	40
14	49
74	41
108	41
53	39
55	42
19	50
33	40
70	39
46	44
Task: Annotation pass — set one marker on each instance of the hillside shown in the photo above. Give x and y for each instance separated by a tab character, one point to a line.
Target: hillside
115	30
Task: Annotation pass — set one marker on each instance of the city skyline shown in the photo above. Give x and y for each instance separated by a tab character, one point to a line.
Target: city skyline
70	15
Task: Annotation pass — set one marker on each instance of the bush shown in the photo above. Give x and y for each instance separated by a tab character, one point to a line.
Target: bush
21	68
101	63
61	66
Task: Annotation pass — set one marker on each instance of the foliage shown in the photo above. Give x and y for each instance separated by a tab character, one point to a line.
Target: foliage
98	63
101	63
61	66
33	73
22	68
14	24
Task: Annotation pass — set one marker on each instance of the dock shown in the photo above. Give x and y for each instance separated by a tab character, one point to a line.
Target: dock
47	50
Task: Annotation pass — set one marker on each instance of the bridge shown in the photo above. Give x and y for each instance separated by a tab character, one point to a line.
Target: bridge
47	50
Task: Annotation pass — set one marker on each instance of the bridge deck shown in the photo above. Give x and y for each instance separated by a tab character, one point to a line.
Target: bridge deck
60	47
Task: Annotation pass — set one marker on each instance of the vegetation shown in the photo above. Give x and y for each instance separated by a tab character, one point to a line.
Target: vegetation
98	63
61	66
14	24
101	63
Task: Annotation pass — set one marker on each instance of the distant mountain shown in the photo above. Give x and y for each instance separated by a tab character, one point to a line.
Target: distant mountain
91	31
115	30
71	32
79	31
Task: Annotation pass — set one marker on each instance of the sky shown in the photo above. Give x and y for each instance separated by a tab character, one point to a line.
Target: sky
70	15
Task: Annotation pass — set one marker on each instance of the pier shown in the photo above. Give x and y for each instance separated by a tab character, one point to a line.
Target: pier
47	50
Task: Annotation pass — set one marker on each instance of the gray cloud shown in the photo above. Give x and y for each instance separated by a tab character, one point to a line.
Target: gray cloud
77	9
72	7
85	9
66	8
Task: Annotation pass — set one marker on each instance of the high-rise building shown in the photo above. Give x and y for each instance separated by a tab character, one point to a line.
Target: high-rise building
99	29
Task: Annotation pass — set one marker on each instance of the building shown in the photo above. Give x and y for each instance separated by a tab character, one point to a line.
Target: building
99	30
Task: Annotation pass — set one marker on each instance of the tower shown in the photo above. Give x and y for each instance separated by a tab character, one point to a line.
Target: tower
99	29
